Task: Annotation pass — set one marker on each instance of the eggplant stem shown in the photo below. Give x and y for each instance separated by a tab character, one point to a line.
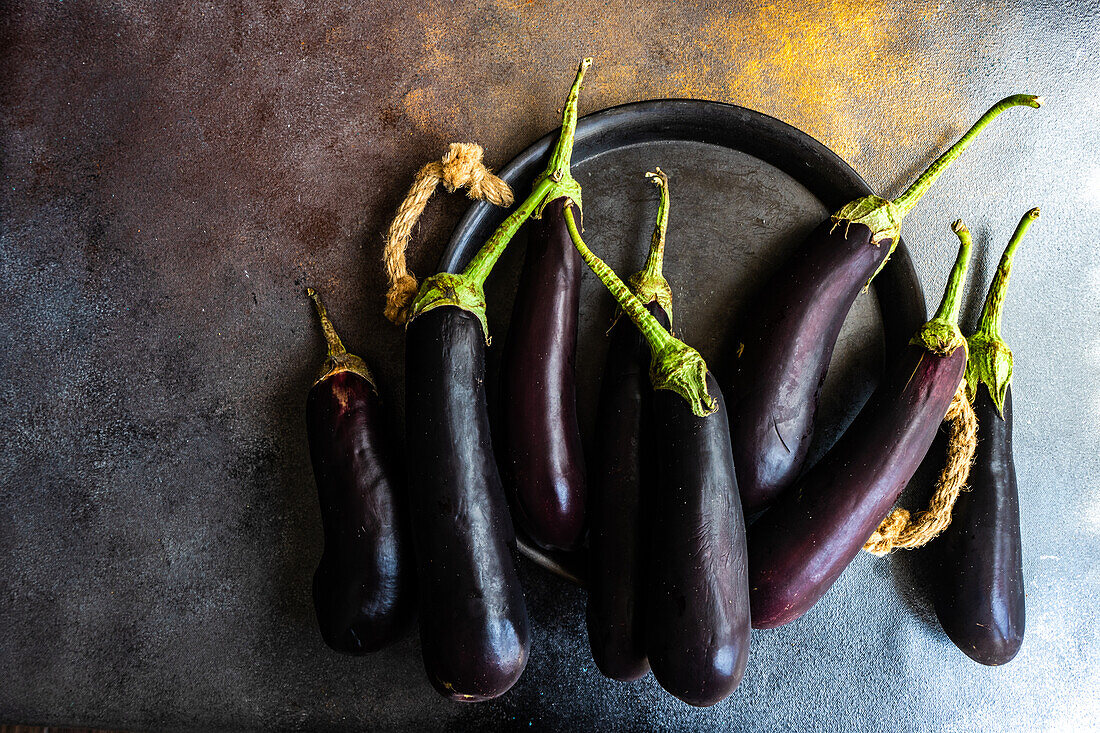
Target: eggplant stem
335	345
674	365
558	169
466	290
907	200
990	359
995	298
941	334
649	284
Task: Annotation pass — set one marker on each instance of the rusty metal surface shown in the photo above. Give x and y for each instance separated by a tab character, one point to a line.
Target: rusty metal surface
173	174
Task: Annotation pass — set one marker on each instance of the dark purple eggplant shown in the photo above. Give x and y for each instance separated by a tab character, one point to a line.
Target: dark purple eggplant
474	629
978	584
473	622
624	473
363	590
801	545
786	341
543	459
696	596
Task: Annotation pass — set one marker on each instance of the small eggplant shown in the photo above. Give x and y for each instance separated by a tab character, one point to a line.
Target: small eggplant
474	628
801	545
786	342
543	462
697	606
363	591
978	586
623	476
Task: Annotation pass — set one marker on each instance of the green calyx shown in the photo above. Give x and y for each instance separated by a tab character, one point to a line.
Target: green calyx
458	290
990	359
674	365
884	217
563	185
941	335
877	214
990	363
466	290
337	359
649	283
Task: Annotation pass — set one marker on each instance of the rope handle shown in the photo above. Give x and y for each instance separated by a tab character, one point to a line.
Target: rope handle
898	530
460	167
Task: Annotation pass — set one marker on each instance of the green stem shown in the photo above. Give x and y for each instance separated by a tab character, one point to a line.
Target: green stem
675	365
990	359
337	359
466	290
884	217
941	335
995	298
650	284
912	195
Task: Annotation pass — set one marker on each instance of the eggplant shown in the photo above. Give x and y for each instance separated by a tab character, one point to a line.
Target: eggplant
623	476
978	584
786	340
696	597
364	592
543	459
474	628
801	545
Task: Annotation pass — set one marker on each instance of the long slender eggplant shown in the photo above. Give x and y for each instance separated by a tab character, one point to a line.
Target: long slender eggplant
786	341
624	474
364	589
474	629
697	606
978	587
543	462
802	544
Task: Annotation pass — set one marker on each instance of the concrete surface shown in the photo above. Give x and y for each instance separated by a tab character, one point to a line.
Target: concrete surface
174	174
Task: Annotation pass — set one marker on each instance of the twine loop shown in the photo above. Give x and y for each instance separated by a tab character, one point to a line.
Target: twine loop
899	530
460	167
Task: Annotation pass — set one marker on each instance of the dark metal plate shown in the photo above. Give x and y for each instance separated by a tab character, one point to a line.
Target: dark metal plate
745	189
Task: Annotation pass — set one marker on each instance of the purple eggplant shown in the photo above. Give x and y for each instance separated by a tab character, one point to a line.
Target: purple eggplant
786	341
363	590
624	473
978	586
696	595
801	545
474	628
543	460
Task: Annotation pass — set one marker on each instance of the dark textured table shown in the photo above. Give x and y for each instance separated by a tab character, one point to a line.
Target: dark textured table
174	173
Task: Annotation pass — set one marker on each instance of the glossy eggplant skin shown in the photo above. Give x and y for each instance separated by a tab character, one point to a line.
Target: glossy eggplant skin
978	586
474	629
784	348
802	544
364	589
697	610
624	471
543	459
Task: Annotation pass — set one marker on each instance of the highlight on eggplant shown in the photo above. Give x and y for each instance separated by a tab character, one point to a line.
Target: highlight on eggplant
978	582
543	462
474	628
800	546
364	589
624	472
696	594
786	340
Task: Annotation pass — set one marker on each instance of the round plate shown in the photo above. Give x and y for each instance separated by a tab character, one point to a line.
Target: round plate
745	190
